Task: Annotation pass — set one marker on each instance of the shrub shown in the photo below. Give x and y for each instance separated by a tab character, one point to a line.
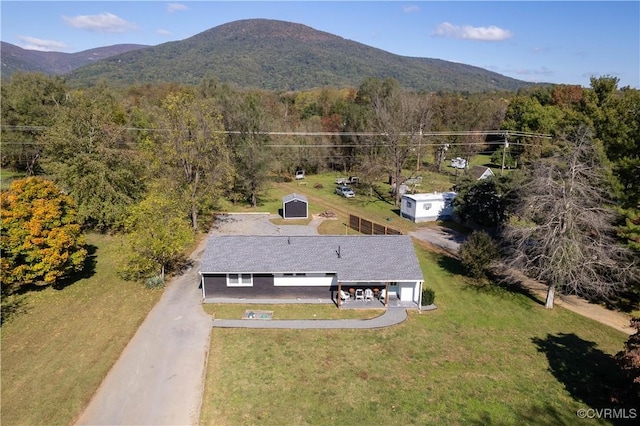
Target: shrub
477	254
428	296
154	282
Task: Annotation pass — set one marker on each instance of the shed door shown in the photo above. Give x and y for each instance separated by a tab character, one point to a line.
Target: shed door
295	209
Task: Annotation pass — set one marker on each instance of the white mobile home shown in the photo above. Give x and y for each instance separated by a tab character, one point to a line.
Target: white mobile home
426	207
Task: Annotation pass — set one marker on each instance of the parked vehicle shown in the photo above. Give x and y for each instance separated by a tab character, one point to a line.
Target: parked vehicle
459	163
353	180
345	191
299	174
342	181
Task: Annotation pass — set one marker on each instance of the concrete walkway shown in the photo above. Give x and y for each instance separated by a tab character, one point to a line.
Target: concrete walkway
389	318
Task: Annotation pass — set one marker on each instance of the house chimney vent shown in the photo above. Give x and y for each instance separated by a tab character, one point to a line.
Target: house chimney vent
338	252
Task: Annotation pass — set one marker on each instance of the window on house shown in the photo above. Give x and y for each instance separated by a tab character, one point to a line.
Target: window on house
240	280
409	205
426	206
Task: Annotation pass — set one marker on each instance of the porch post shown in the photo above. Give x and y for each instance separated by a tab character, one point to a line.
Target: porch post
339	295
202	284
386	293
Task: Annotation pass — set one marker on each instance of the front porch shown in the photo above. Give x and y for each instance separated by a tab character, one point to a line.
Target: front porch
392	303
378	295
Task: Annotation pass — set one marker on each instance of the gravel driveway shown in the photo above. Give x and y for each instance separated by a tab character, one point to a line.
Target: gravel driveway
445	238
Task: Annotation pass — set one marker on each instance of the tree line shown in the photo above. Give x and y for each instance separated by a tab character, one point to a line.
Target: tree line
155	161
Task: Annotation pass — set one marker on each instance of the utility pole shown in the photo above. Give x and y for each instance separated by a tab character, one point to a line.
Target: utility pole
504	151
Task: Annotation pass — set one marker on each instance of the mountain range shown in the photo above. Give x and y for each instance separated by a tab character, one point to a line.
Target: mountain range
256	53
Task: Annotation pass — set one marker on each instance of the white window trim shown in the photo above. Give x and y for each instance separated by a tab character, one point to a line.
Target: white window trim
243	281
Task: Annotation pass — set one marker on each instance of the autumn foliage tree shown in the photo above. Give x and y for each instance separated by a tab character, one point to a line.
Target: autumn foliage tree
41	240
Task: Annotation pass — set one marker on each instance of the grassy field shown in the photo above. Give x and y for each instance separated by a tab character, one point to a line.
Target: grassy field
485	356
61	342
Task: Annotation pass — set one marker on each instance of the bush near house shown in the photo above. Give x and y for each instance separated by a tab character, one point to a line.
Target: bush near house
428	296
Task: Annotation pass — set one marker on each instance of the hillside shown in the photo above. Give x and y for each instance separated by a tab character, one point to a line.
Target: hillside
15	58
278	55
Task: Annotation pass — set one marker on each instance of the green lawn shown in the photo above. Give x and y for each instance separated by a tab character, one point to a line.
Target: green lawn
60	343
8	176
485	356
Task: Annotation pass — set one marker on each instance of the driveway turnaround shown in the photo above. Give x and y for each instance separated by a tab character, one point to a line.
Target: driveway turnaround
391	317
159	377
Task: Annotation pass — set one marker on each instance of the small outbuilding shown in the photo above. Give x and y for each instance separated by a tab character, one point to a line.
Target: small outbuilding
481	172
295	206
427	207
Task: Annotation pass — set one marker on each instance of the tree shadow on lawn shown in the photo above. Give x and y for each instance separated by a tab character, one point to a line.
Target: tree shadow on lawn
587	373
540	415
14	300
494	286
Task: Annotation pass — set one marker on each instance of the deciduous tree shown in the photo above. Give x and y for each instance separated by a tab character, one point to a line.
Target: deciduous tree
562	230
193	151
159	231
41	241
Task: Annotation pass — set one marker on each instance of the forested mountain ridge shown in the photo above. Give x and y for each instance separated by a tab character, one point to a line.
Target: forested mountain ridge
16	59
278	55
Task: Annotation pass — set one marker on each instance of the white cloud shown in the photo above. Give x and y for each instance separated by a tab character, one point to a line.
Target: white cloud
163	32
105	22
411	9
173	7
467	32
32	43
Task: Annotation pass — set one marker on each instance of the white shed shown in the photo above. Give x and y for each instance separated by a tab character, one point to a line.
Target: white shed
426	207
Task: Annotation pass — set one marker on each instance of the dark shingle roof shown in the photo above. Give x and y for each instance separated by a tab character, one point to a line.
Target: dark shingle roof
362	257
478	171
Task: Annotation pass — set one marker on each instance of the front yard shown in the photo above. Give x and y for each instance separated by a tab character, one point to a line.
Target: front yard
485	356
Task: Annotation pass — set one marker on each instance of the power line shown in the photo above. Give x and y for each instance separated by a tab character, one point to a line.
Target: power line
364	134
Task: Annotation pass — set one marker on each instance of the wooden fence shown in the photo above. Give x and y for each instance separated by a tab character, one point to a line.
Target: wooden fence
365	226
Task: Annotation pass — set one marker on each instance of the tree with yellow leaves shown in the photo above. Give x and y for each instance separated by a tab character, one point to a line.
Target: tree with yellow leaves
41	241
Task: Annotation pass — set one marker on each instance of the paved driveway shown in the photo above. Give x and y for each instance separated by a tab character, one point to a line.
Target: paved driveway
158	379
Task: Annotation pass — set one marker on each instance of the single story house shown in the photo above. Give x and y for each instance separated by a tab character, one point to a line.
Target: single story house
480	172
427	207
310	267
295	206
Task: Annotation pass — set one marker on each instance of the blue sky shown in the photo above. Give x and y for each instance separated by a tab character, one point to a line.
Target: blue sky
542	41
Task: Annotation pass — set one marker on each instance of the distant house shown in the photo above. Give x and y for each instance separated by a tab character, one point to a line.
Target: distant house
295	206
427	207
480	172
310	267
